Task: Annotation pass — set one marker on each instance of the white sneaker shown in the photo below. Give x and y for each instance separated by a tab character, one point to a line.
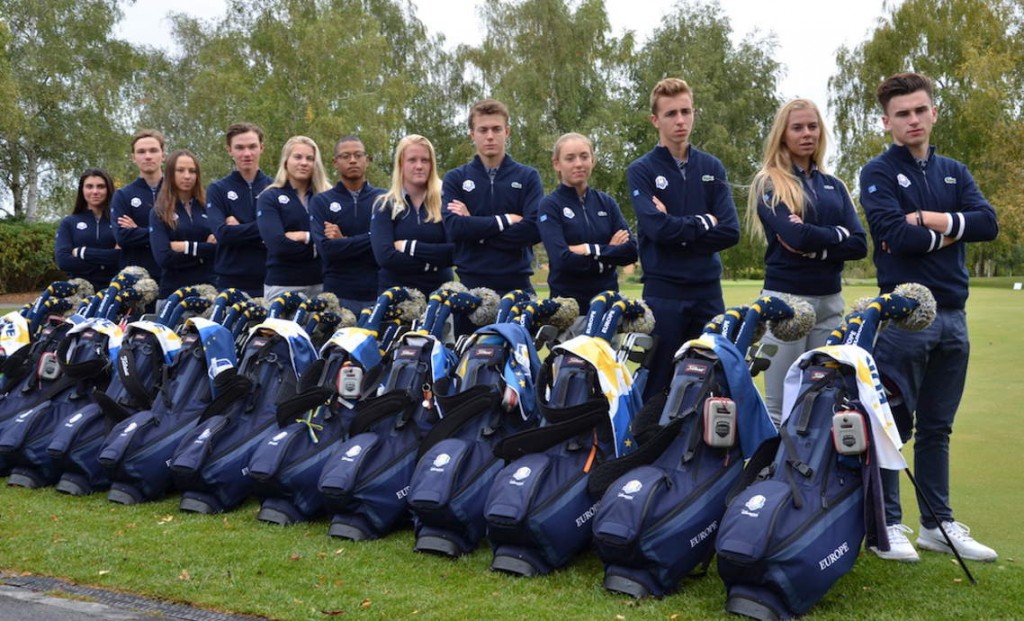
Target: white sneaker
960	535
900	548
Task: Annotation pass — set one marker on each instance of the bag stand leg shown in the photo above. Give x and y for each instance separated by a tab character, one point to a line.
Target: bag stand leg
931	513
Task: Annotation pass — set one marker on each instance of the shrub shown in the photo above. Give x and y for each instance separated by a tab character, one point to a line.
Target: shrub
26	254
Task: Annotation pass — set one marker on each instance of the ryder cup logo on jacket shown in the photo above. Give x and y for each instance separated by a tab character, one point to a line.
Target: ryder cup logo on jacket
568	213
335	207
516	185
754	505
950	180
81	226
283	199
232	195
468	185
902	180
136	202
707	178
661	182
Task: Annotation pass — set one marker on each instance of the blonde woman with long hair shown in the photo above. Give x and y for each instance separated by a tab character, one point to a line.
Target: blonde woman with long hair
406	232
282	215
811	228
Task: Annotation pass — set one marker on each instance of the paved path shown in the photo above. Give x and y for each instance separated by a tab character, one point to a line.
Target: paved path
31	598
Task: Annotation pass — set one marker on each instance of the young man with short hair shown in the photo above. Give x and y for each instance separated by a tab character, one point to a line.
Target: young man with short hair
132	204
685	216
922	210
491	207
340	226
241	260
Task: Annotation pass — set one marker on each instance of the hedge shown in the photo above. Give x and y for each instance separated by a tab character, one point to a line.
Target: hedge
26	255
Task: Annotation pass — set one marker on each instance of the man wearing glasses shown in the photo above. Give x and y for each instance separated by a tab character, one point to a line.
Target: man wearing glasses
340	225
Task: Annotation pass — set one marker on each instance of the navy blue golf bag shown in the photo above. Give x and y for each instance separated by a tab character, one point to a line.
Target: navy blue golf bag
366	479
28	373
787	538
539	508
657	521
209	465
137	449
489	395
84	364
139	368
286	467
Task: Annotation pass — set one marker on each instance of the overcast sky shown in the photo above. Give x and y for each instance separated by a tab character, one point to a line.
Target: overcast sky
808	33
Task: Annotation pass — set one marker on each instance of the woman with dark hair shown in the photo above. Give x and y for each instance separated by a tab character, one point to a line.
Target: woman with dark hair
808	220
179	234
85	245
406	232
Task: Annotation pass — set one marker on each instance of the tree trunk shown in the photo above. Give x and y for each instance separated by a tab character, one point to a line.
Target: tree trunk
32	189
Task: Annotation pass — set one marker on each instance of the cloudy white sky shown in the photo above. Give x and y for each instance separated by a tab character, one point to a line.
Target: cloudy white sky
808	33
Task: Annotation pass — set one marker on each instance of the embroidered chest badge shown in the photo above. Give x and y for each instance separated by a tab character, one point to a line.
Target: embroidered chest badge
468	185
660	182
335	207
232	195
568	213
81	226
516	185
707	178
284	200
950	180
902	180
136	202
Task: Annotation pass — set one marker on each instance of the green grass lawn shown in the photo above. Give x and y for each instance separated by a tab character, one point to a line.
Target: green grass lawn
232	562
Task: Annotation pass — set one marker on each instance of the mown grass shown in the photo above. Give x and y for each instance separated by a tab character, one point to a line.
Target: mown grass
232	562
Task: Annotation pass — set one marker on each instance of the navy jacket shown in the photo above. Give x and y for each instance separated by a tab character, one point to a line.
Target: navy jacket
893	185
289	263
490	252
135	200
679	250
566	219
350	269
829	235
241	258
97	259
195	265
426	262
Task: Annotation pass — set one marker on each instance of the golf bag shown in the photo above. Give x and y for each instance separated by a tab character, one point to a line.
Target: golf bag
83	364
146	350
789	536
657	521
286	467
209	465
366	479
489	395
539	509
137	449
27	375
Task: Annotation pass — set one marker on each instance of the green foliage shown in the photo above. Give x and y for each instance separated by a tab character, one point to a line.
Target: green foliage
974	51
319	68
26	253
62	94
